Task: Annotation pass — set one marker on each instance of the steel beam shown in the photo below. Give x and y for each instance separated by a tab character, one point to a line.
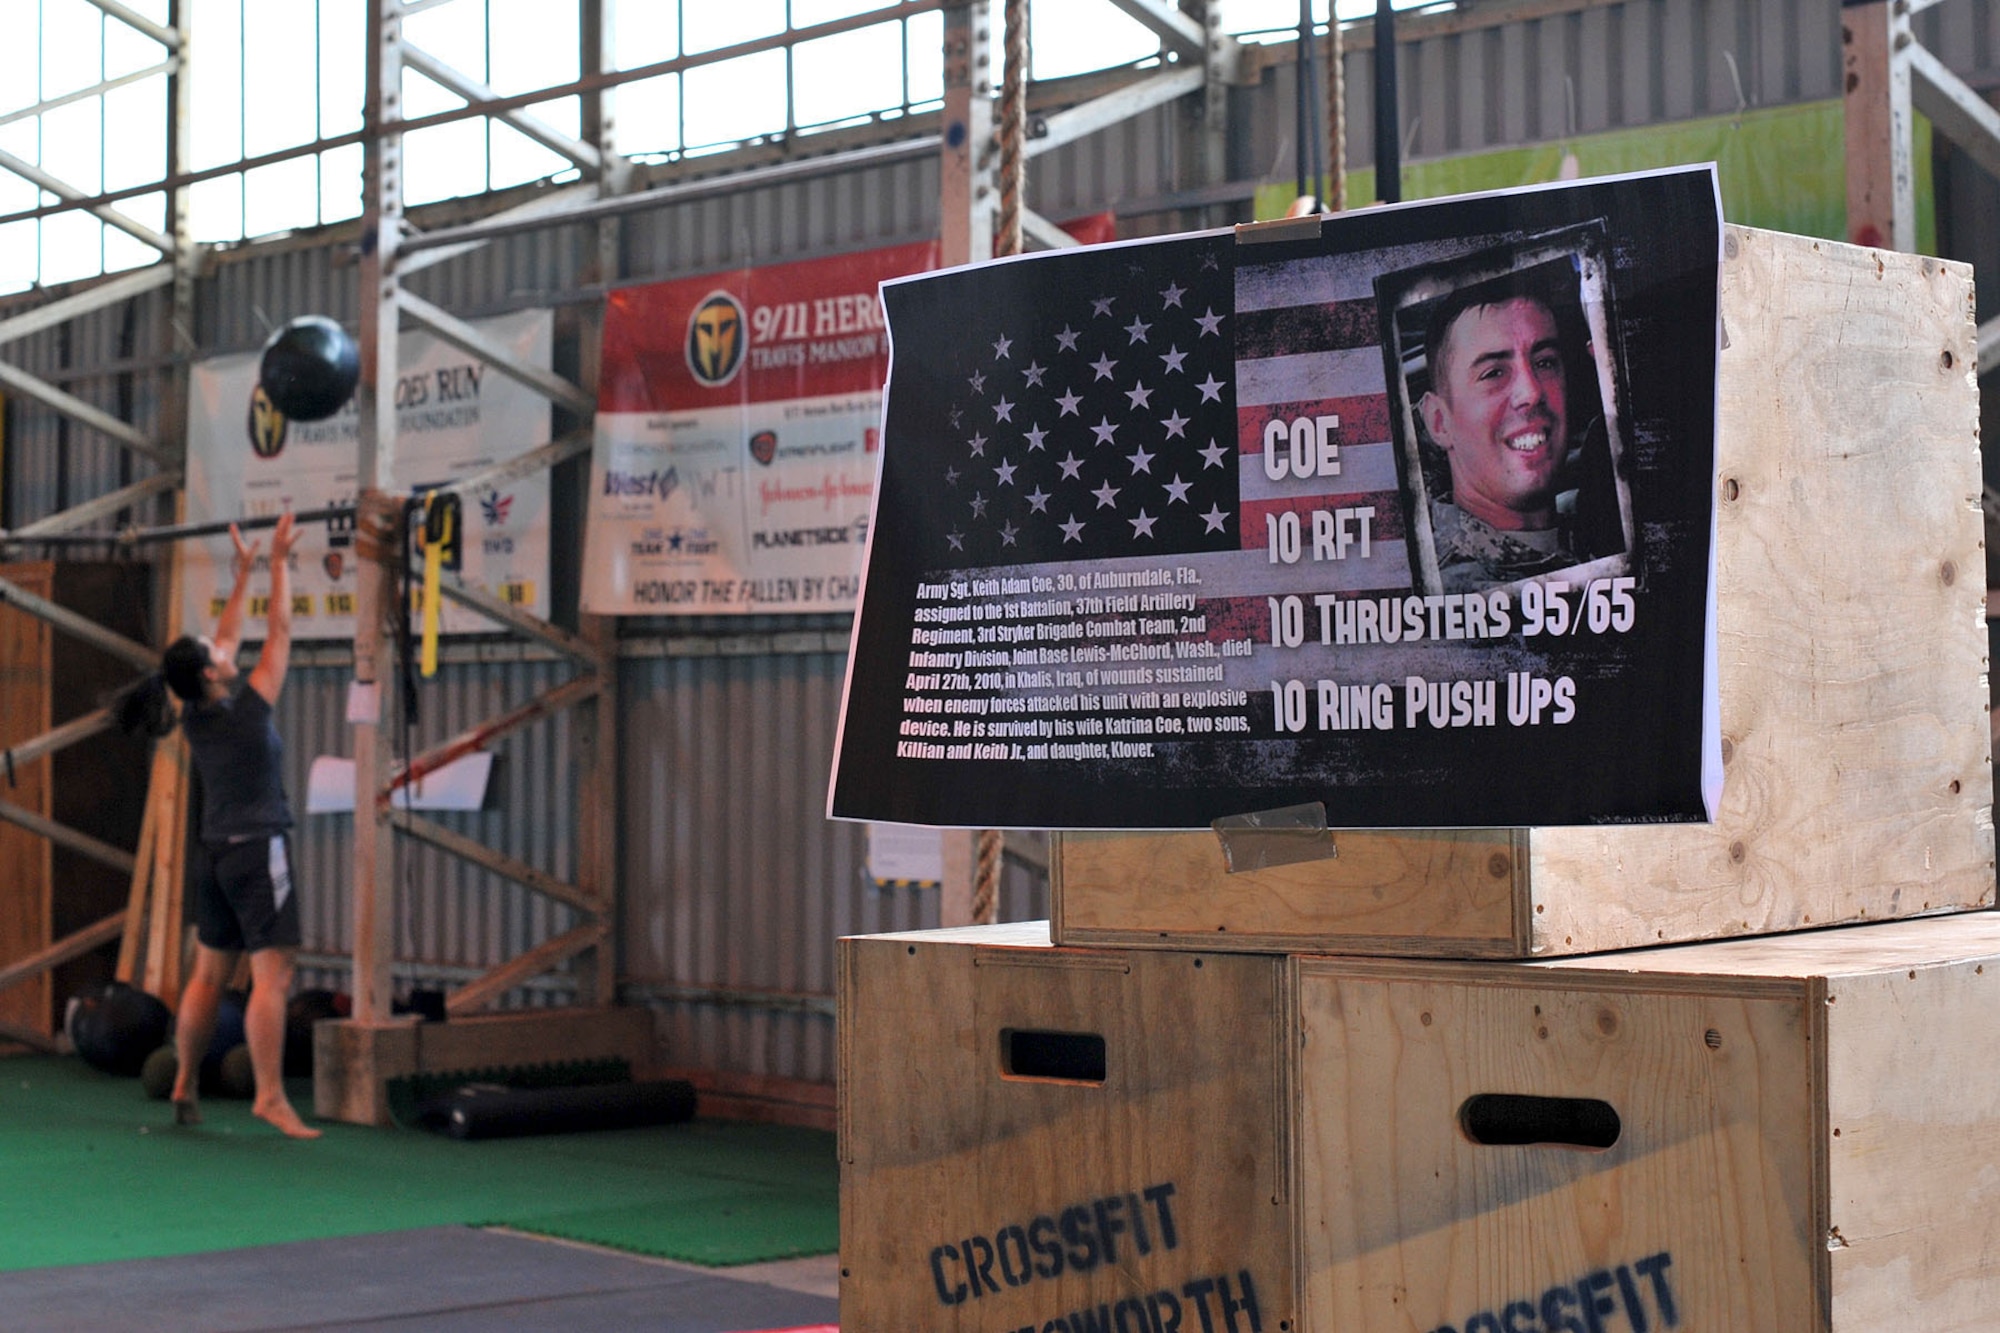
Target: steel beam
968	189
513	469
109	292
461	85
515	224
30	386
547	210
1176	31
64	523
167	66
75	198
1039	228
1961	114
470	340
131	18
484	602
1108	110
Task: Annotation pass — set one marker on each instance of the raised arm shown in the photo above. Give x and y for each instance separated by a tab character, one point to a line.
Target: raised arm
229	629
268	676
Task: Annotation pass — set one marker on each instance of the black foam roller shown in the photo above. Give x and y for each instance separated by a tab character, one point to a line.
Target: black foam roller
483	1113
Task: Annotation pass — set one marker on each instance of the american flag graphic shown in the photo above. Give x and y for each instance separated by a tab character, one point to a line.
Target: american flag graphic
1088	415
1309	349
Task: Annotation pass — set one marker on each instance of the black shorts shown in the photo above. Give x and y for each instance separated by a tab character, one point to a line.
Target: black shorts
243	896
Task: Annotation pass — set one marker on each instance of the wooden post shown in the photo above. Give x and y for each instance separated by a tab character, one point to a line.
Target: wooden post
378	528
965	165
961	868
1881	190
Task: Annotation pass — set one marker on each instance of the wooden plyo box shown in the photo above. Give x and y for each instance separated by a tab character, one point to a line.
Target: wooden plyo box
1776	1135
1852	636
1047	1138
1799	1134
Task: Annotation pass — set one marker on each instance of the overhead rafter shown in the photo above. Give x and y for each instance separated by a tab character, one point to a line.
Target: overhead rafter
474	92
1108	110
1177	31
75	198
109	292
138	22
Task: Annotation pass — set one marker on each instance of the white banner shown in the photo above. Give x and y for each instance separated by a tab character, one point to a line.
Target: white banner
455	415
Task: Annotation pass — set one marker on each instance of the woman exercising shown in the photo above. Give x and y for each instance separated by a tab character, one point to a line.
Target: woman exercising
244	899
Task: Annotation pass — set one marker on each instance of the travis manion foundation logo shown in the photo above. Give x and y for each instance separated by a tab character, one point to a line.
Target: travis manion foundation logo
715	339
266	425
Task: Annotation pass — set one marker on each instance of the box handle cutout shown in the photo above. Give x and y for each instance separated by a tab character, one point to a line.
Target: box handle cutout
1499	1119
1062	1057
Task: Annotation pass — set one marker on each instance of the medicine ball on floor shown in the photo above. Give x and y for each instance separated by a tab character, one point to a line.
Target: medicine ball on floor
116	1029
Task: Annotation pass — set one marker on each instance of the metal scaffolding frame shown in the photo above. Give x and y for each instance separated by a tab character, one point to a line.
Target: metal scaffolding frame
1196	58
1888	74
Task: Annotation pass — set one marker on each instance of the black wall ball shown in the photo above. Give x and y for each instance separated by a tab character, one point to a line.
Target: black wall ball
116	1029
310	368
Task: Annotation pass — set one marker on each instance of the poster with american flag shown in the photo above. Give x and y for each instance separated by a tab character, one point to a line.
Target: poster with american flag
1403	514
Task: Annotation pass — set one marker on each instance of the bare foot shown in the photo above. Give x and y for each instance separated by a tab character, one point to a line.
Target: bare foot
284	1119
187	1111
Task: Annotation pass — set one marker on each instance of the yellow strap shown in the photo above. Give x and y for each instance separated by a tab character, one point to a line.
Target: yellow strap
433	594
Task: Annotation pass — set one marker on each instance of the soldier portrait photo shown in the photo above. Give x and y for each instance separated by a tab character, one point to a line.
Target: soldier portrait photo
1504	378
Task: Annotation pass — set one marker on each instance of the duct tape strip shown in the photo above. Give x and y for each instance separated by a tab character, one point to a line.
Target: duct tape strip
1266	838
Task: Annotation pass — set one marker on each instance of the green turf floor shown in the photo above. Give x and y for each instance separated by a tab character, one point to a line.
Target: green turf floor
91	1170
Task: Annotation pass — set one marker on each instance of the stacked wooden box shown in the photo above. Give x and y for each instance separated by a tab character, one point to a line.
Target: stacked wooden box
1403	1086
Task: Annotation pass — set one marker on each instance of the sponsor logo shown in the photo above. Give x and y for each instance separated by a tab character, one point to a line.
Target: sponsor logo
769	540
658	485
715	339
495	507
764	446
265	425
676	543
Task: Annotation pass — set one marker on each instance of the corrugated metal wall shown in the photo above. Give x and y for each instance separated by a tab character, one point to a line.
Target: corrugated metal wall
734	885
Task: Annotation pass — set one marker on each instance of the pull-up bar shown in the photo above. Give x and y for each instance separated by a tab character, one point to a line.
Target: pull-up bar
174	532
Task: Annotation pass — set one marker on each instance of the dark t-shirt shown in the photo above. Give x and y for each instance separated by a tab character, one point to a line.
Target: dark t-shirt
241	761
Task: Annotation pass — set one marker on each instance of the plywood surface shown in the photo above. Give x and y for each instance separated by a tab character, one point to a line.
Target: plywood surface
1704	1206
973	1197
1913	1079
1851	604
1445	891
